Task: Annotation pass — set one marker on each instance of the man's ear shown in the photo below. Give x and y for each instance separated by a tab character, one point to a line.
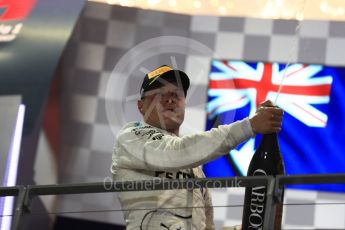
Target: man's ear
140	105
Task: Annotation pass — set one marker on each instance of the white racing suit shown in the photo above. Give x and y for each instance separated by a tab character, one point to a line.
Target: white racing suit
144	152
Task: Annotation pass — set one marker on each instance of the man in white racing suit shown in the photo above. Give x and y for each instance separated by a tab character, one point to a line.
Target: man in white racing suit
152	149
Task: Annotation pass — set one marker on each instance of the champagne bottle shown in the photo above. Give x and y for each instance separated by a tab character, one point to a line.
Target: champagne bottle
266	160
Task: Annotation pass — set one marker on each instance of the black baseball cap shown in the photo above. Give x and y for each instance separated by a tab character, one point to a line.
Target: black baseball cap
163	74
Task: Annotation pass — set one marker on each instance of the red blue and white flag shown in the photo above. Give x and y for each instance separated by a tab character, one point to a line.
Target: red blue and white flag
313	133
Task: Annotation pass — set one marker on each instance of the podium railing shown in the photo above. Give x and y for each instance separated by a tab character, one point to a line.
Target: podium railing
274	185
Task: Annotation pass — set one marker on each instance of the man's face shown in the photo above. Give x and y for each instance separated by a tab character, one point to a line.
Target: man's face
163	107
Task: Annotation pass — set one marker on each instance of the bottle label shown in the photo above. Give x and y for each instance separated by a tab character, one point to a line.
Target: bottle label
257	203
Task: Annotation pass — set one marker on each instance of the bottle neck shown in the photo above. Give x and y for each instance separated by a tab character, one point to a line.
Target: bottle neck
270	142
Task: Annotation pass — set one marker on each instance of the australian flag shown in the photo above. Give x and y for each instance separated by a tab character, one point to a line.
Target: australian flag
312	96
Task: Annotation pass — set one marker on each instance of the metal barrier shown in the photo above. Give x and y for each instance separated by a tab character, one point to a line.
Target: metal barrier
275	186
19	192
